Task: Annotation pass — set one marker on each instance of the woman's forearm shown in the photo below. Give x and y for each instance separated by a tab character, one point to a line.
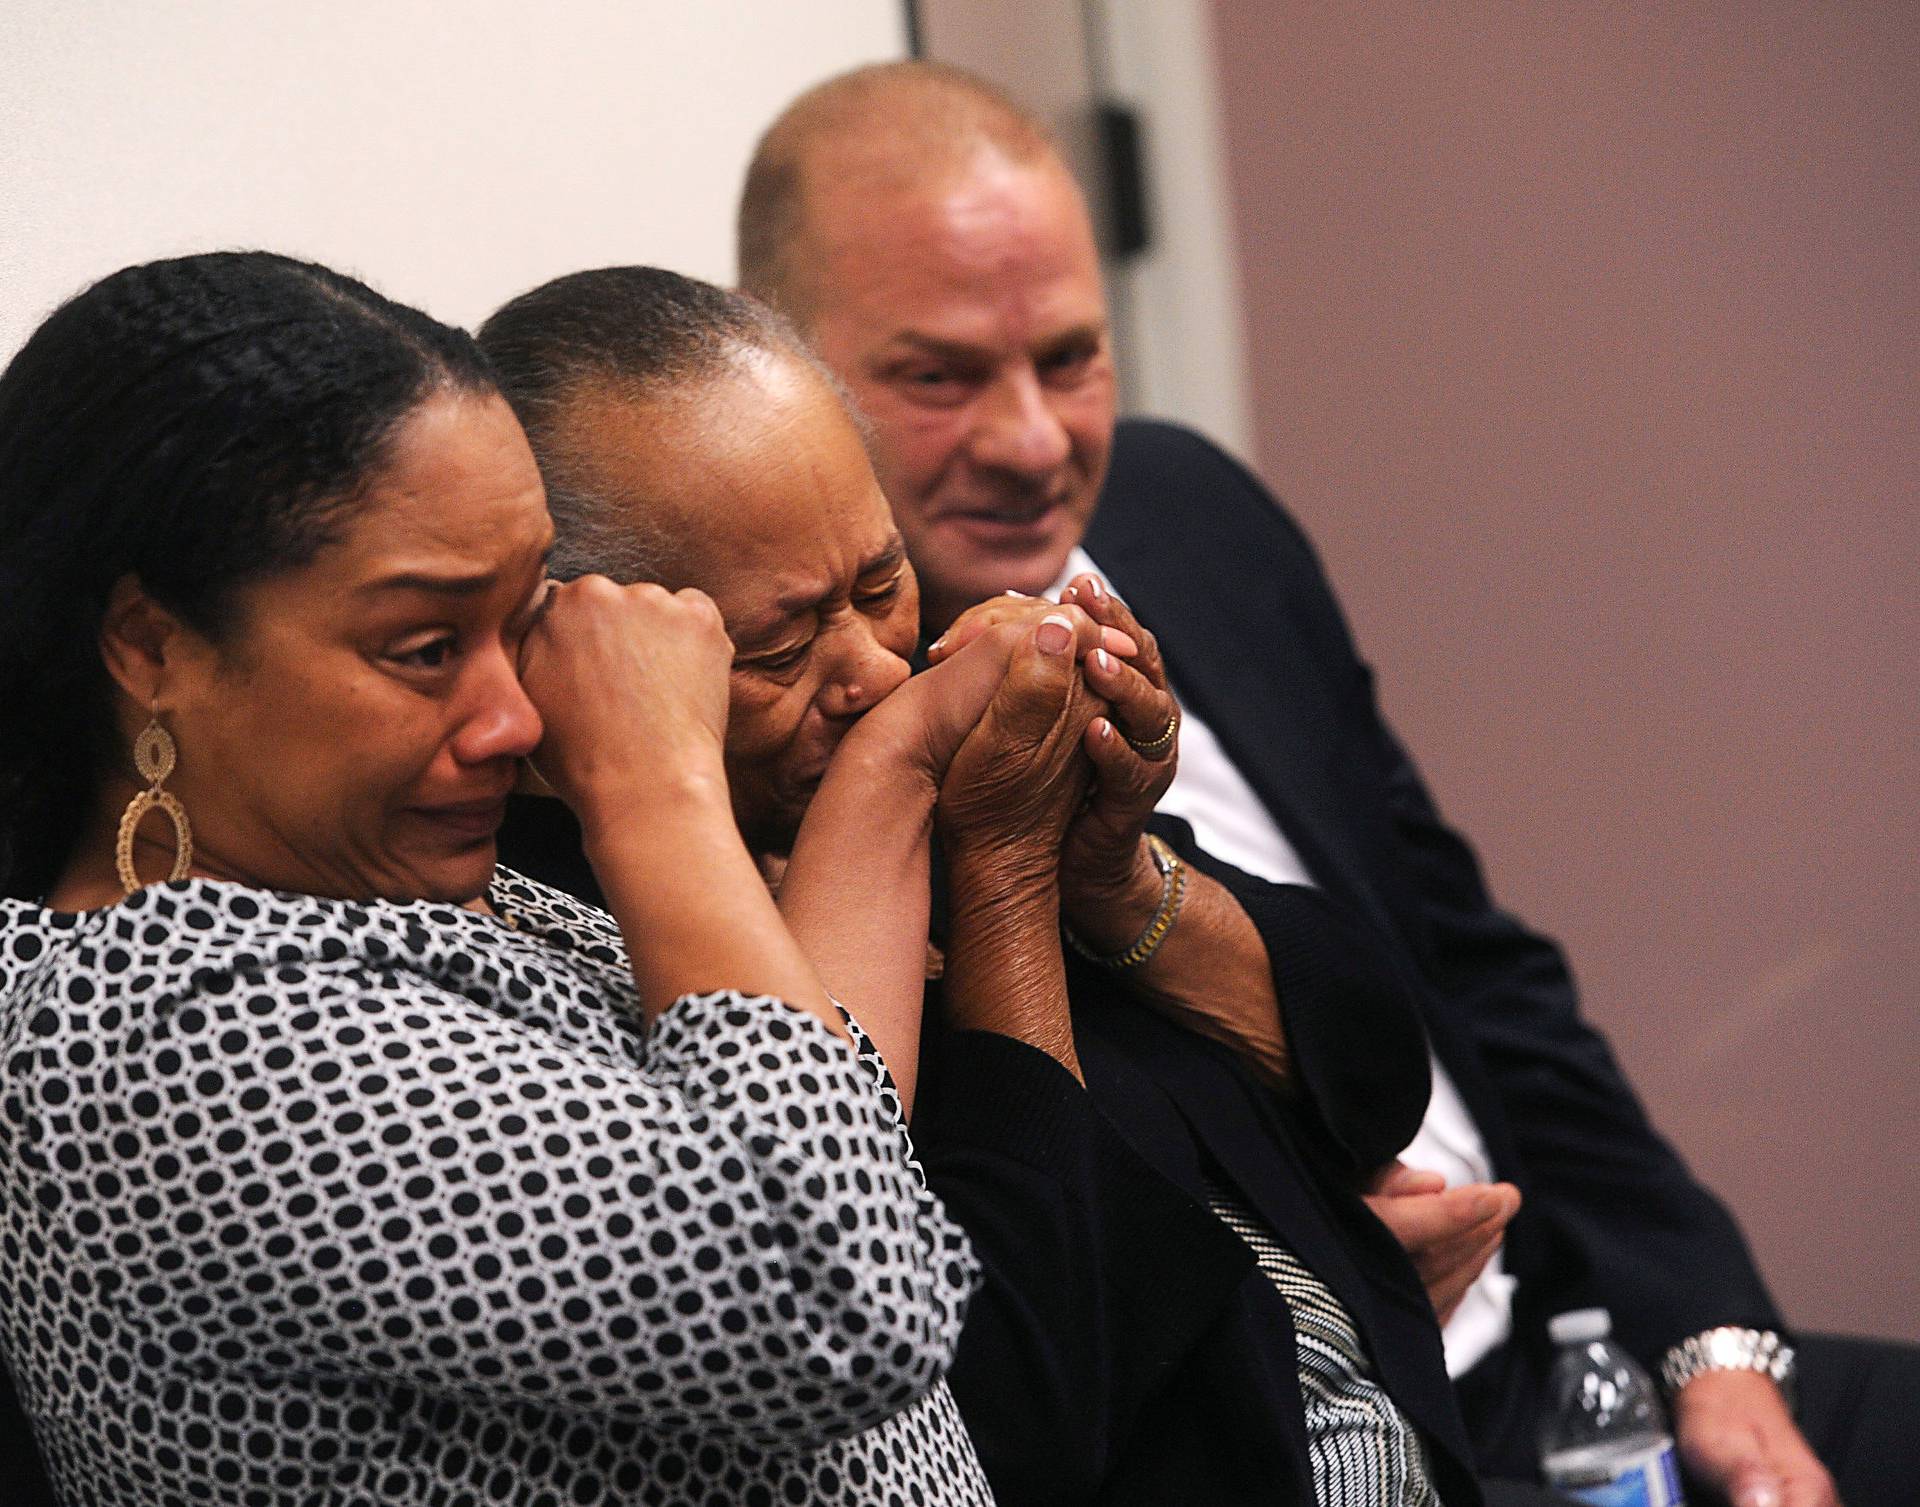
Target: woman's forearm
1210	971
855	895
1004	972
1212	974
692	908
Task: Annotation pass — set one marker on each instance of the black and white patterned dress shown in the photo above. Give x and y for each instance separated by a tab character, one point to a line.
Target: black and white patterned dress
307	1201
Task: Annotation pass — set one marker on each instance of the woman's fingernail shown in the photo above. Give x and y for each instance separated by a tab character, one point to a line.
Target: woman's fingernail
1105	734
1010	592
934	647
1054	634
1095	589
1104	660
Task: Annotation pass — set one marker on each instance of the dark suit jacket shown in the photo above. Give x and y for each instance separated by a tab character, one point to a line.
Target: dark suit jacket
1256	644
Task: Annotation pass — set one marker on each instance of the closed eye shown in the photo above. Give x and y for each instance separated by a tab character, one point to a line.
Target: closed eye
880	596
777	663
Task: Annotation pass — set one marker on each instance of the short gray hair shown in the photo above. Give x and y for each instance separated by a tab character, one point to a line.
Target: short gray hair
637	334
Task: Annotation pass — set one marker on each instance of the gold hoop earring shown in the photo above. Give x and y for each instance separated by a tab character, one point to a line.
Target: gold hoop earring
154	755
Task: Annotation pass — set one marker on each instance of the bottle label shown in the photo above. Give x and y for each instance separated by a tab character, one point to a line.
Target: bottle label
1647	1478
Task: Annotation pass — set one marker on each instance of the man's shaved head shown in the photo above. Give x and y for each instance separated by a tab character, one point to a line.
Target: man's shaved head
924	232
890	126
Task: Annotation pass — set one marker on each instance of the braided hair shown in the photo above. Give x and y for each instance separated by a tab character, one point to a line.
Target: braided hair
198	423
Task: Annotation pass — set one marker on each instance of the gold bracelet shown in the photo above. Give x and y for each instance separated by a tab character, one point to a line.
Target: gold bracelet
1173	894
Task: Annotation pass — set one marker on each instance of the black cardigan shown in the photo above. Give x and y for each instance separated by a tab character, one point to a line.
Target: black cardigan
1124	1348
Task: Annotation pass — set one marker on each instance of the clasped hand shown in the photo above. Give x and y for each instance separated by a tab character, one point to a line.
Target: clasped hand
1115	712
631	686
1018	774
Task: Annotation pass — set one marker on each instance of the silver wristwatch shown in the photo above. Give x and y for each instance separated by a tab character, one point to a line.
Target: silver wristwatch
1729	1349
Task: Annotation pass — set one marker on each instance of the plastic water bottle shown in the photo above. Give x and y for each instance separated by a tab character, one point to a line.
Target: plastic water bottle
1605	1440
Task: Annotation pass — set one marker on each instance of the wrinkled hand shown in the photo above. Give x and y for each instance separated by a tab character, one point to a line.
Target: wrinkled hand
1737	1436
1450	1233
631	683
1109	885
931	715
1019	776
1015	607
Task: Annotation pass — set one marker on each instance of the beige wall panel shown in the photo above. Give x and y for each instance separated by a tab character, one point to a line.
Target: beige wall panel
1584	342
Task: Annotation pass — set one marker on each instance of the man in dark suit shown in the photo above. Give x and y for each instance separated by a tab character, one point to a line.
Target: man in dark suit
923	232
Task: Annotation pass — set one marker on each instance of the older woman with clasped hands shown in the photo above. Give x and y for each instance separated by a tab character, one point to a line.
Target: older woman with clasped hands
334	1164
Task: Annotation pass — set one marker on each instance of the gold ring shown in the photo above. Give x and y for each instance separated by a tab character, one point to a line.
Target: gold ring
1160	747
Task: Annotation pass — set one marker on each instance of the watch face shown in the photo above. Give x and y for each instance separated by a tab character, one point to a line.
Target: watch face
1732	1350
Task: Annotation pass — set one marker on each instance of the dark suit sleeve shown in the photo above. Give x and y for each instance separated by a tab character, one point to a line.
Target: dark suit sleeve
1098	1273
1612	1214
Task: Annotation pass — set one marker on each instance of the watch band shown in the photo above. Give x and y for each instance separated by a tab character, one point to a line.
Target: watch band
1728	1348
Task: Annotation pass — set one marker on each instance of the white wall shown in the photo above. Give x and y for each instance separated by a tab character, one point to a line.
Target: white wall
451	153
1177	306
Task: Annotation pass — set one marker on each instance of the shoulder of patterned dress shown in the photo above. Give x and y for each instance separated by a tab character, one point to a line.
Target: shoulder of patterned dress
533	908
30	935
196	937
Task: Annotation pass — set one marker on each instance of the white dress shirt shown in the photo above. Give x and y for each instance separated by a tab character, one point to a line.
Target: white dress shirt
1231	822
